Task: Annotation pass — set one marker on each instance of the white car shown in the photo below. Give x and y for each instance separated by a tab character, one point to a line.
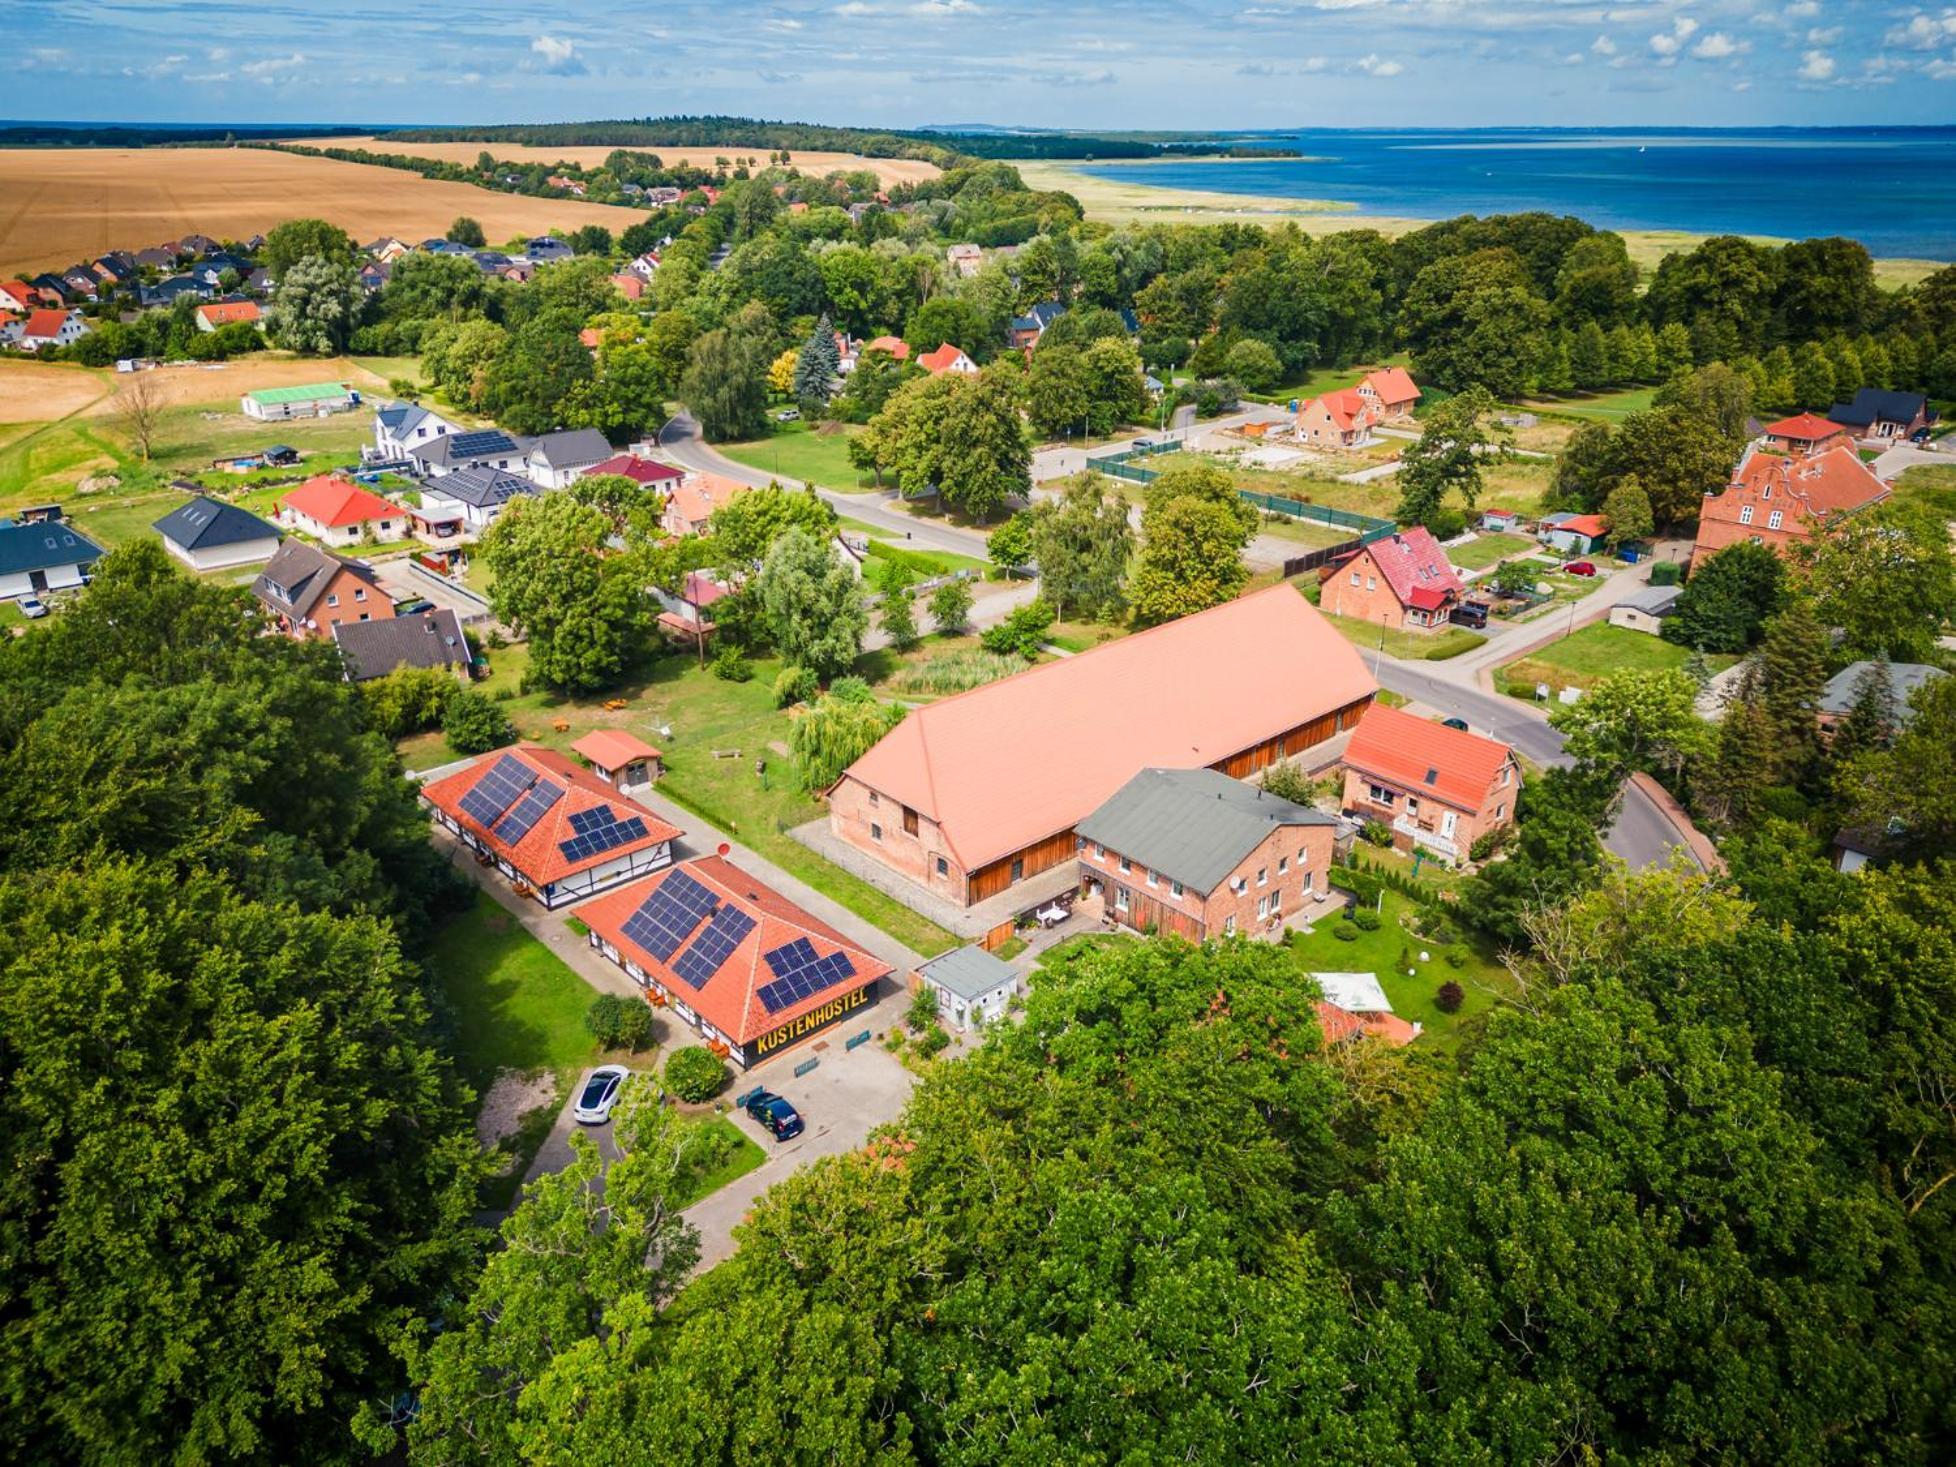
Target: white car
787	415
30	607
600	1095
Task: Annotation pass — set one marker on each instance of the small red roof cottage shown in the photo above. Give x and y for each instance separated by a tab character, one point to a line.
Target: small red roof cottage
623	761
1439	788
746	967
339	511
550	823
1403	581
1803	433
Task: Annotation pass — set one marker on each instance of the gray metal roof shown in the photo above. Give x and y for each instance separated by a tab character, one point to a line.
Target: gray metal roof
969	972
1657	600
1191	825
43	546
204	524
1903	677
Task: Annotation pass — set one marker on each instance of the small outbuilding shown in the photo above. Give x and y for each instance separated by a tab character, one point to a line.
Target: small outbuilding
973	986
1645	608
623	761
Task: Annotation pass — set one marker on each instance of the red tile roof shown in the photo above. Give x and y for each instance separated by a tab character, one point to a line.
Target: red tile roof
337	503
1594	526
894	345
1831	481
613	748
695	497
1804	427
45	324
1416	568
941	360
730	999
1346	407
19	290
643	470
1427	758
1393	385
1017	760
223	313
1340	1025
537	855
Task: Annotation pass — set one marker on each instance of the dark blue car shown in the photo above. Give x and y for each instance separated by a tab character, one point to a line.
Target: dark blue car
783	1121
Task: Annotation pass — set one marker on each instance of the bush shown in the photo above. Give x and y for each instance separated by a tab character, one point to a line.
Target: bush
1288	782
955	672
1363	885
409	700
923	1009
729	665
695	1074
1450	997
605	1018
635	1025
475	725
795	685
1023	632
1344	932
1664	573
1376	833
934	1039
1487	843
1365	919
1456	955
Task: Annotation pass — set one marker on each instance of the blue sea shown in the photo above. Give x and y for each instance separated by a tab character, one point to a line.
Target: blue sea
1894	189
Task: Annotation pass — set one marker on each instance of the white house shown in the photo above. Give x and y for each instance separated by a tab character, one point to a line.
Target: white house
312	400
42	556
479	493
208	534
473	448
400	425
972	986
1645	608
43	330
557	460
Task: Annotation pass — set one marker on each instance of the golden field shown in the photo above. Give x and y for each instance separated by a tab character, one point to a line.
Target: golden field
61	205
889	170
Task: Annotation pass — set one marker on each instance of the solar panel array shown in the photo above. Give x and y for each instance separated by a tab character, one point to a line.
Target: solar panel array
527	811
479	443
799	973
497	790
666	918
727	930
598	830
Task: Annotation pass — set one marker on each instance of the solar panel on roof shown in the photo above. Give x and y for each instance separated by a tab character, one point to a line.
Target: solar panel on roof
714	945
482	441
666	918
602	831
582	821
497	790
786	961
804	979
526	812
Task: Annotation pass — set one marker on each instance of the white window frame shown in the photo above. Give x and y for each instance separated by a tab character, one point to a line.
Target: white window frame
1120	899
1263	876
1775	519
1175	887
1153	880
1745	514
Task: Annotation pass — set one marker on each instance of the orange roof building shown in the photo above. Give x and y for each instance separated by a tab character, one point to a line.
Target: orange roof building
690	502
973	793
1438	788
1341	419
896	346
947	358
340	512
1803	433
1390	390
549	823
746	967
623	761
1779	499
214	314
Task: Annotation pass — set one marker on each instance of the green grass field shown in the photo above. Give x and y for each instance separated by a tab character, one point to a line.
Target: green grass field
1435	646
1586	657
1602	407
795	451
1488	549
1930	484
738	1155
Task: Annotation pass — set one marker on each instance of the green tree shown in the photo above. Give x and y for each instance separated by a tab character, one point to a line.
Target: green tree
816	365
834	732
1886	581
1191	559
1082	543
474	724
461	359
1793	657
1908	789
301	239
1728	599
695	1074
1023	631
1057	393
1627	508
1461	437
1555	855
950	607
1255	364
741	530
583	608
899	618
542	370
465	231
316	306
1633	720
408	700
1476	320
1009	547
725	386
813	603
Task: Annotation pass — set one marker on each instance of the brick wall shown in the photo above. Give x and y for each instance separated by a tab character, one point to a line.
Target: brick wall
877	826
1371	600
349	590
1497	808
1292	859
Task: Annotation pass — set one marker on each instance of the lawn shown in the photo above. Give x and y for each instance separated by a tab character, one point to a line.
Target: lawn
1486	550
737	1152
1602	407
797	451
1587	656
1390	952
1407	646
1308	534
1930	484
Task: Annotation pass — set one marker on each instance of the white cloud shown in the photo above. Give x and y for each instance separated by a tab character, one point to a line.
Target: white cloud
855	7
1603	46
559	55
1924	32
1941	69
270	66
784	23
933	8
1574	58
1802	10
1823	35
1718	46
1346	4
1378	66
1816	66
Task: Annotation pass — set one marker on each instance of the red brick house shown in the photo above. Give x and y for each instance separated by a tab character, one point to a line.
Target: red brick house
974	793
1403	581
308	591
1342	419
549	824
748	969
1439	788
1778	500
1391	392
1195	853
1803	434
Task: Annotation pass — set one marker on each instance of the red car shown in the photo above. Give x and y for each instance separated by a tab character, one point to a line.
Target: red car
1580	568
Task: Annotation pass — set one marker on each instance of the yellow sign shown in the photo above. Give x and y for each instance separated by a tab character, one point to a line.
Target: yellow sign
814	1019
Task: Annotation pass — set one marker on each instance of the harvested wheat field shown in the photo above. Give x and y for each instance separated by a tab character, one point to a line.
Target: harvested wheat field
60	205
221	384
40	392
889	170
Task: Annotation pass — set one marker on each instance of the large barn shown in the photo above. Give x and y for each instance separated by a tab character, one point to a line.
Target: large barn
974	793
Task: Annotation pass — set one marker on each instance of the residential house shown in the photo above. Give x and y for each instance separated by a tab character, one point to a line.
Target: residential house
432	639
478	494
1802	434
208	534
373	275
1837	698
630	286
644	266
972	987
309	591
1573	534
1499	521
895	346
966	259
648	472
1197	854
10	326
752	973
548	824
972	794
947	358
848	351
227	313
1883	415
1645	609
1778	500
117	266
1342	419
622	760
544	250
1403	581
311	400
684	615
557	460
690	502
1355	1005
156	258
45	330
211	271
490	262
54	290
340	512
167	292
387	249
1391	393
18	295
1025	331
518	272
194	245
38	556
398	426
470	448
79	283
1440	789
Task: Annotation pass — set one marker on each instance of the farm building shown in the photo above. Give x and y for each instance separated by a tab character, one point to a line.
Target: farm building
315	400
974	793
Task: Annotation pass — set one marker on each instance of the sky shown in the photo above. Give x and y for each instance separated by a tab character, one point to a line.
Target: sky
1167	64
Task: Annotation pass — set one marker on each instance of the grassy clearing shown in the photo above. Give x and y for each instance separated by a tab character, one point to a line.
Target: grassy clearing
1307	534
1601	407
797	451
1487	550
735	1155
1930	484
1407	646
1586	657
